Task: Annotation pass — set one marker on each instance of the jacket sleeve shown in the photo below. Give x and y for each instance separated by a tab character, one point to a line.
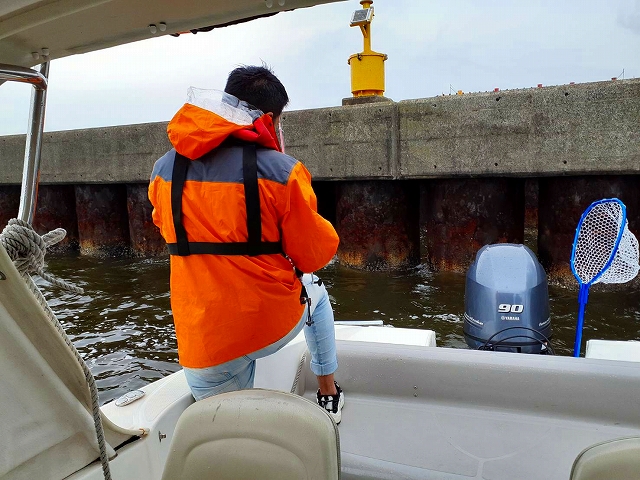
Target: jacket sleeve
159	190
153	198
307	238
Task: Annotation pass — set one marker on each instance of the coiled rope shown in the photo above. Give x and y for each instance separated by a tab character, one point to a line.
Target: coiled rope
27	250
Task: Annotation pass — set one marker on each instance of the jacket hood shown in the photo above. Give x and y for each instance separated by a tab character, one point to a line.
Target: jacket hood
210	117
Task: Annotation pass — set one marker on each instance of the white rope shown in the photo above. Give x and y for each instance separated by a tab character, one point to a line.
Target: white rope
27	250
303	359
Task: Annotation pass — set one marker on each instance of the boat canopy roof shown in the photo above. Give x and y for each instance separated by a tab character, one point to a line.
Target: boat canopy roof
69	27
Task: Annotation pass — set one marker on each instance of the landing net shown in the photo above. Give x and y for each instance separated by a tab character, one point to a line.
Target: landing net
604	250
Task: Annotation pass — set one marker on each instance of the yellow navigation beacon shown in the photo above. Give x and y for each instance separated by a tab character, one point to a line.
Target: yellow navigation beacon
367	68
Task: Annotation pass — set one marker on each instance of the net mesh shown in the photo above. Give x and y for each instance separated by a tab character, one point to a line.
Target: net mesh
596	245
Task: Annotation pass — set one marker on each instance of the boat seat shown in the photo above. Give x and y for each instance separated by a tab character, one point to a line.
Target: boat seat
617	459
254	433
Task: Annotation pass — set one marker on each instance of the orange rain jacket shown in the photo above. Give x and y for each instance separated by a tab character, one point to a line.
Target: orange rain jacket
228	306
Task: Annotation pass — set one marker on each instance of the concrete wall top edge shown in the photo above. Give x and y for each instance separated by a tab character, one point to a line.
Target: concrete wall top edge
487	175
314	111
112	128
91	130
535	90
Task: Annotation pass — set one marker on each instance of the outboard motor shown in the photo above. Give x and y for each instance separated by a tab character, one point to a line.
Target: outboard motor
506	302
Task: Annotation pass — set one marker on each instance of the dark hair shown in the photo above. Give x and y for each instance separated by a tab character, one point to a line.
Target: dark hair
259	87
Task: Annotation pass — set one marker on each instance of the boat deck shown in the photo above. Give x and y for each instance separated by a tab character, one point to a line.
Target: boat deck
423	412
456	414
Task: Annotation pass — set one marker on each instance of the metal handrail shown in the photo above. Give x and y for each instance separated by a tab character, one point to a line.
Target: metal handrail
33	147
14	73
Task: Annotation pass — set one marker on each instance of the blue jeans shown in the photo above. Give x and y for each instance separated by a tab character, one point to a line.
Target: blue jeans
238	374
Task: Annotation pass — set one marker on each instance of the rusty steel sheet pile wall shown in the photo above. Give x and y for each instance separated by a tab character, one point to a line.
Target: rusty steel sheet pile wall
378	224
103	224
458	217
9	203
145	236
56	207
428	180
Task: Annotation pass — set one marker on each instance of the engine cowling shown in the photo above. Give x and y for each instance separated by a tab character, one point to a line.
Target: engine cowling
507	301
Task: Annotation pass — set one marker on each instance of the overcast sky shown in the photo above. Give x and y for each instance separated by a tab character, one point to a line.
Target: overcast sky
432	46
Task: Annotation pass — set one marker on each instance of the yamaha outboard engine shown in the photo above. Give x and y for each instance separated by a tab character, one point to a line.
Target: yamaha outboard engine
506	302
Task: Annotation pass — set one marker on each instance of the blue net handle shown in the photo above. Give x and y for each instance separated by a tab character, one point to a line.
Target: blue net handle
583	298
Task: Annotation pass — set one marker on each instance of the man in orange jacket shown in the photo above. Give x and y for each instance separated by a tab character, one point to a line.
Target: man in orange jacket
241	223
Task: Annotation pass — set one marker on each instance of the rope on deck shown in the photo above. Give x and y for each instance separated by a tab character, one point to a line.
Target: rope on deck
294	387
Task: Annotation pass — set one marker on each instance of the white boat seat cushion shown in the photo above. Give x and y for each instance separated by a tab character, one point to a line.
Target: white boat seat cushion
617	459
254	434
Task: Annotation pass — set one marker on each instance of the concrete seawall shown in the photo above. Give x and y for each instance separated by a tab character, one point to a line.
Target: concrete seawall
582	129
428	180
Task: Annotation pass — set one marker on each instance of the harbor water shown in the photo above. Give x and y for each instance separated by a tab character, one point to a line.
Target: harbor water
123	328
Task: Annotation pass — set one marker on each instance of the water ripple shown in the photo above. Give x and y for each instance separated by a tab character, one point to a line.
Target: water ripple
123	328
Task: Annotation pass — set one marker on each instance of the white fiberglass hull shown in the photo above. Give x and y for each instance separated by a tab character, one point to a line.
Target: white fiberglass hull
415	411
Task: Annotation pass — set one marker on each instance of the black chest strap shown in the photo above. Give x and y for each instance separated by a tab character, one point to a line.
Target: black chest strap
254	244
